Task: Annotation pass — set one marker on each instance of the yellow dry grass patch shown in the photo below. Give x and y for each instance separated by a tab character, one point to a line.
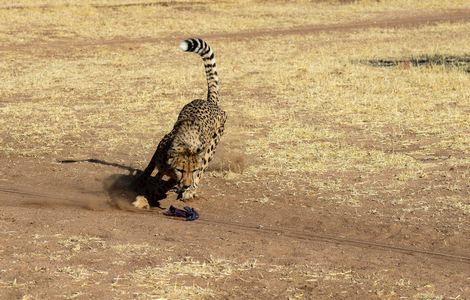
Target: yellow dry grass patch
76	273
309	274
172	280
214	268
133	250
303	148
82	242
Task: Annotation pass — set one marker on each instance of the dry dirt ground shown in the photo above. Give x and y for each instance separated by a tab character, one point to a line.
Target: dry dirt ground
338	177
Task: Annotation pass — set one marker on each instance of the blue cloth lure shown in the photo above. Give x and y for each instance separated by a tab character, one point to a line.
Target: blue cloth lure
189	213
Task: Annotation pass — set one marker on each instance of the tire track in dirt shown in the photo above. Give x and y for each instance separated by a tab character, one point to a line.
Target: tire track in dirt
392	21
209	220
337	240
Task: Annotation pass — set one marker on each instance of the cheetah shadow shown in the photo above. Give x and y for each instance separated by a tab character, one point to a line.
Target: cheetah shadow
122	189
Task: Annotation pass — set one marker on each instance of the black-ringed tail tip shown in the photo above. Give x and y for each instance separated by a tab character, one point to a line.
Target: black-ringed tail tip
195	45
184	45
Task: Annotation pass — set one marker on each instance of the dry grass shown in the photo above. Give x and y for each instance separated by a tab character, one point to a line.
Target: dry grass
76	273
133	250
383	286
308	113
78	243
180	279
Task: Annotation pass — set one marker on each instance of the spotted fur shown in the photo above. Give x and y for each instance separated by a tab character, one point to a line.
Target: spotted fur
185	152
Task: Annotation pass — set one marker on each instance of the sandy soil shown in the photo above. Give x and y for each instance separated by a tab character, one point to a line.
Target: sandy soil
68	230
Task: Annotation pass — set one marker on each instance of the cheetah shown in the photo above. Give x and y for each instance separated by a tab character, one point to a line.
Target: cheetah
184	153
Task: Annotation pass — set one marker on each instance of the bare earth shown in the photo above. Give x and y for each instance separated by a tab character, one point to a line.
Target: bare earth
69	231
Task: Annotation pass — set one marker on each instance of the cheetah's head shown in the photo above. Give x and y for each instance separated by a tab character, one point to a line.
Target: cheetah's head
186	164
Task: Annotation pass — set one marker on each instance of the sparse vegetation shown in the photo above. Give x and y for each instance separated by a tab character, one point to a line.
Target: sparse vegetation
322	136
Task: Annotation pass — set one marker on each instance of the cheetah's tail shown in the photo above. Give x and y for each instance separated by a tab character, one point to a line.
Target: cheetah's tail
200	47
